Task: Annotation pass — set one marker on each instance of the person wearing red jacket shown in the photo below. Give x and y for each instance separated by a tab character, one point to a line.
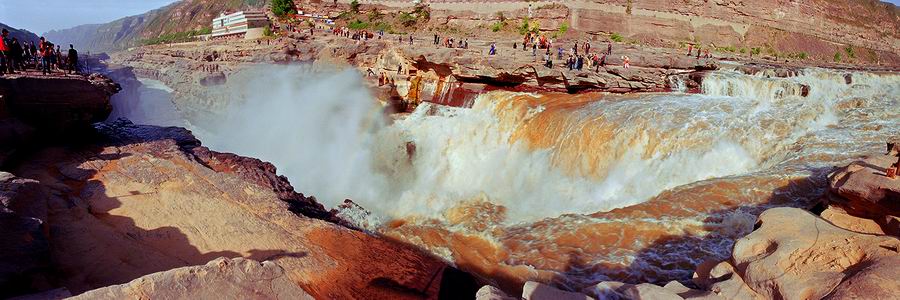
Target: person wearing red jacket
4	52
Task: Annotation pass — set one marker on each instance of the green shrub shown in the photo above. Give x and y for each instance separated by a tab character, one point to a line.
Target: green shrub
837	57
422	11
354	6
358	25
743	50
755	51
282	8
268	32
529	26
498	26
563	28
850	52
383	26
802	55
407	19
616	37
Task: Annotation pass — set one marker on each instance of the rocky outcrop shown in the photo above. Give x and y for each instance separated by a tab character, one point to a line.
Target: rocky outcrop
25	250
796	255
33	107
58	104
792	254
154	199
221	277
860	193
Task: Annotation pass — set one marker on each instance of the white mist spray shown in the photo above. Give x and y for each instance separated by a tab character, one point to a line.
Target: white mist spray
325	132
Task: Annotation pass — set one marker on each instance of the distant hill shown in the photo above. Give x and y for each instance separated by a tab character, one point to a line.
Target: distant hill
21	34
182	16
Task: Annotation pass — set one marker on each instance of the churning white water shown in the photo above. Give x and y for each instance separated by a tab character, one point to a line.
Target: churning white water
324	131
152	106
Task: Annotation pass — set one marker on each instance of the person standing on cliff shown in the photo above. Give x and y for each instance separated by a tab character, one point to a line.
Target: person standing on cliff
608	48
4	52
72	59
45	56
58	58
16	54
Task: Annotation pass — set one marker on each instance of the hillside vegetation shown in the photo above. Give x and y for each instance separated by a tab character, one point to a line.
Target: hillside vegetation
168	23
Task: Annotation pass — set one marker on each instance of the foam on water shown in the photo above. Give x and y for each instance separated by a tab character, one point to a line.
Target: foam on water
707	163
539	156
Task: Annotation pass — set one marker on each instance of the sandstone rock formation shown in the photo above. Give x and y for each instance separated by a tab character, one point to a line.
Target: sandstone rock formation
25	250
796	255
220	278
153	199
54	106
861	194
492	293
539	291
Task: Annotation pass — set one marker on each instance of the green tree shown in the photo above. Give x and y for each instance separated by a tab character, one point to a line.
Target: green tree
354	6
407	19
850	52
282	8
616	37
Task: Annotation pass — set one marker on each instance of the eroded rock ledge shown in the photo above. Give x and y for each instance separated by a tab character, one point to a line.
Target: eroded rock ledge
135	200
33	106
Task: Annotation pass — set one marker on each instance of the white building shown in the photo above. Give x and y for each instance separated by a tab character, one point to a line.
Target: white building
248	24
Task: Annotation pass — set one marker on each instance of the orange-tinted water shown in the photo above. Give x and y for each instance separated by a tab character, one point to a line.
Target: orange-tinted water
676	178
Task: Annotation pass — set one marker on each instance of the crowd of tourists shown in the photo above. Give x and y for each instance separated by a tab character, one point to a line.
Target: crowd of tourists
18	56
451	42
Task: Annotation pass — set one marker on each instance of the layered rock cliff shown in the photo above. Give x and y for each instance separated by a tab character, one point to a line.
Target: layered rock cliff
783	29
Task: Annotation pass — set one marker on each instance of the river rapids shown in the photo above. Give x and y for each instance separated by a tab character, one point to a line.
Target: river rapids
569	189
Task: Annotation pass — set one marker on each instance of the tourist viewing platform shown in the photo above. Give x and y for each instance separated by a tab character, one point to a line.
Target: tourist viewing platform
247	24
